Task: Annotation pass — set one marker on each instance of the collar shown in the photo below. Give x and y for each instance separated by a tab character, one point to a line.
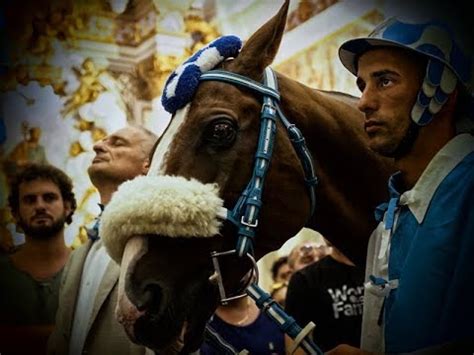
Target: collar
93	230
419	197
392	205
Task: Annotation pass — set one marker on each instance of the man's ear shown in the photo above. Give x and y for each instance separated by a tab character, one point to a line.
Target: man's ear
67	210
146	166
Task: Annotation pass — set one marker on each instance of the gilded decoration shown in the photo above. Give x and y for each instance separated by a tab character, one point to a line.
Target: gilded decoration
201	31
154	71
89	88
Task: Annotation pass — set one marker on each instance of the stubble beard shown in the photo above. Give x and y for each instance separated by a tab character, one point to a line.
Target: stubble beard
401	148
406	144
43	232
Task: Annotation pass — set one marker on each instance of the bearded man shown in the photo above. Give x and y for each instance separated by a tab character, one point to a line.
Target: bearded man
42	202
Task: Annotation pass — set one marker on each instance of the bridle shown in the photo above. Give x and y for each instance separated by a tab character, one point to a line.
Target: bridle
246	211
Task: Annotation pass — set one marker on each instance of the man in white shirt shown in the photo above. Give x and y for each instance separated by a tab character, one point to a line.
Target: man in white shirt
85	321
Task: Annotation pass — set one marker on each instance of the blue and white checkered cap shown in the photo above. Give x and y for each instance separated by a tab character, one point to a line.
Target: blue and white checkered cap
183	82
447	64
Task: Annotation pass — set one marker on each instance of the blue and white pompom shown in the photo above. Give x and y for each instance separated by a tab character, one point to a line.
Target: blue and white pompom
183	82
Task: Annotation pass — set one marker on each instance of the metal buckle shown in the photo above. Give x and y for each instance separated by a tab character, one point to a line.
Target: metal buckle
224	298
248	224
270	106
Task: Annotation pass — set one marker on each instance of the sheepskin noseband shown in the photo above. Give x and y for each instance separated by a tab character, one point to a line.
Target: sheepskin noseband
160	206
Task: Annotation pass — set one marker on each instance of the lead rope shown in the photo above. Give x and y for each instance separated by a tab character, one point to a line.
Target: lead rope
286	323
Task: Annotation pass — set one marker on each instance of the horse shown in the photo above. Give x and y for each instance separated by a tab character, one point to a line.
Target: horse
205	159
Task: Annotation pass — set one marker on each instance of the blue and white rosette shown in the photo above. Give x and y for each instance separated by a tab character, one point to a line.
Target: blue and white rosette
183	82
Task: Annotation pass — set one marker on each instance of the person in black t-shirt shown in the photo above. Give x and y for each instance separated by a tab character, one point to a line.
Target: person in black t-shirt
329	293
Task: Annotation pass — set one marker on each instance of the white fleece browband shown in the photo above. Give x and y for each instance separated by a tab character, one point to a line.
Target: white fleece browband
160	205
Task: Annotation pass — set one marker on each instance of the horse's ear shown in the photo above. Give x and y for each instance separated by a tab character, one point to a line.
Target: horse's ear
261	48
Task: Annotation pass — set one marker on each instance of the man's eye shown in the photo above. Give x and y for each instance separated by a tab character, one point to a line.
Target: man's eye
50	197
29	199
385	82
118	143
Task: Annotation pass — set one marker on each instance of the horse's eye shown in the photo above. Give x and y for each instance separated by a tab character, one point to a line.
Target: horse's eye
221	133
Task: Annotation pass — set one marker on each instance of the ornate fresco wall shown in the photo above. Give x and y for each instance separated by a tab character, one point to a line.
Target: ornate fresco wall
74	71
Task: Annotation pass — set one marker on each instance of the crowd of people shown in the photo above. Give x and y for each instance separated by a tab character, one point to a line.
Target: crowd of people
413	293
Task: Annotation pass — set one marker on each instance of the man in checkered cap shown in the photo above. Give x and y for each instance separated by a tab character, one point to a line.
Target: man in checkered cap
415	95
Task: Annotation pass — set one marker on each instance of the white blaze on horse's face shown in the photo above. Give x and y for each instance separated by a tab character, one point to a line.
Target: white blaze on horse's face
158	163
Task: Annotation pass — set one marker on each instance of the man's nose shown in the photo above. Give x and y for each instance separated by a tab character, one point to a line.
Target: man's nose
99	147
40	204
367	102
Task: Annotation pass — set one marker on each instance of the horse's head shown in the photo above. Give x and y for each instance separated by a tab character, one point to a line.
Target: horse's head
202	163
165	226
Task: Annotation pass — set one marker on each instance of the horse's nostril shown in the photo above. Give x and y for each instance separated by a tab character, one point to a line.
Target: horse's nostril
150	299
